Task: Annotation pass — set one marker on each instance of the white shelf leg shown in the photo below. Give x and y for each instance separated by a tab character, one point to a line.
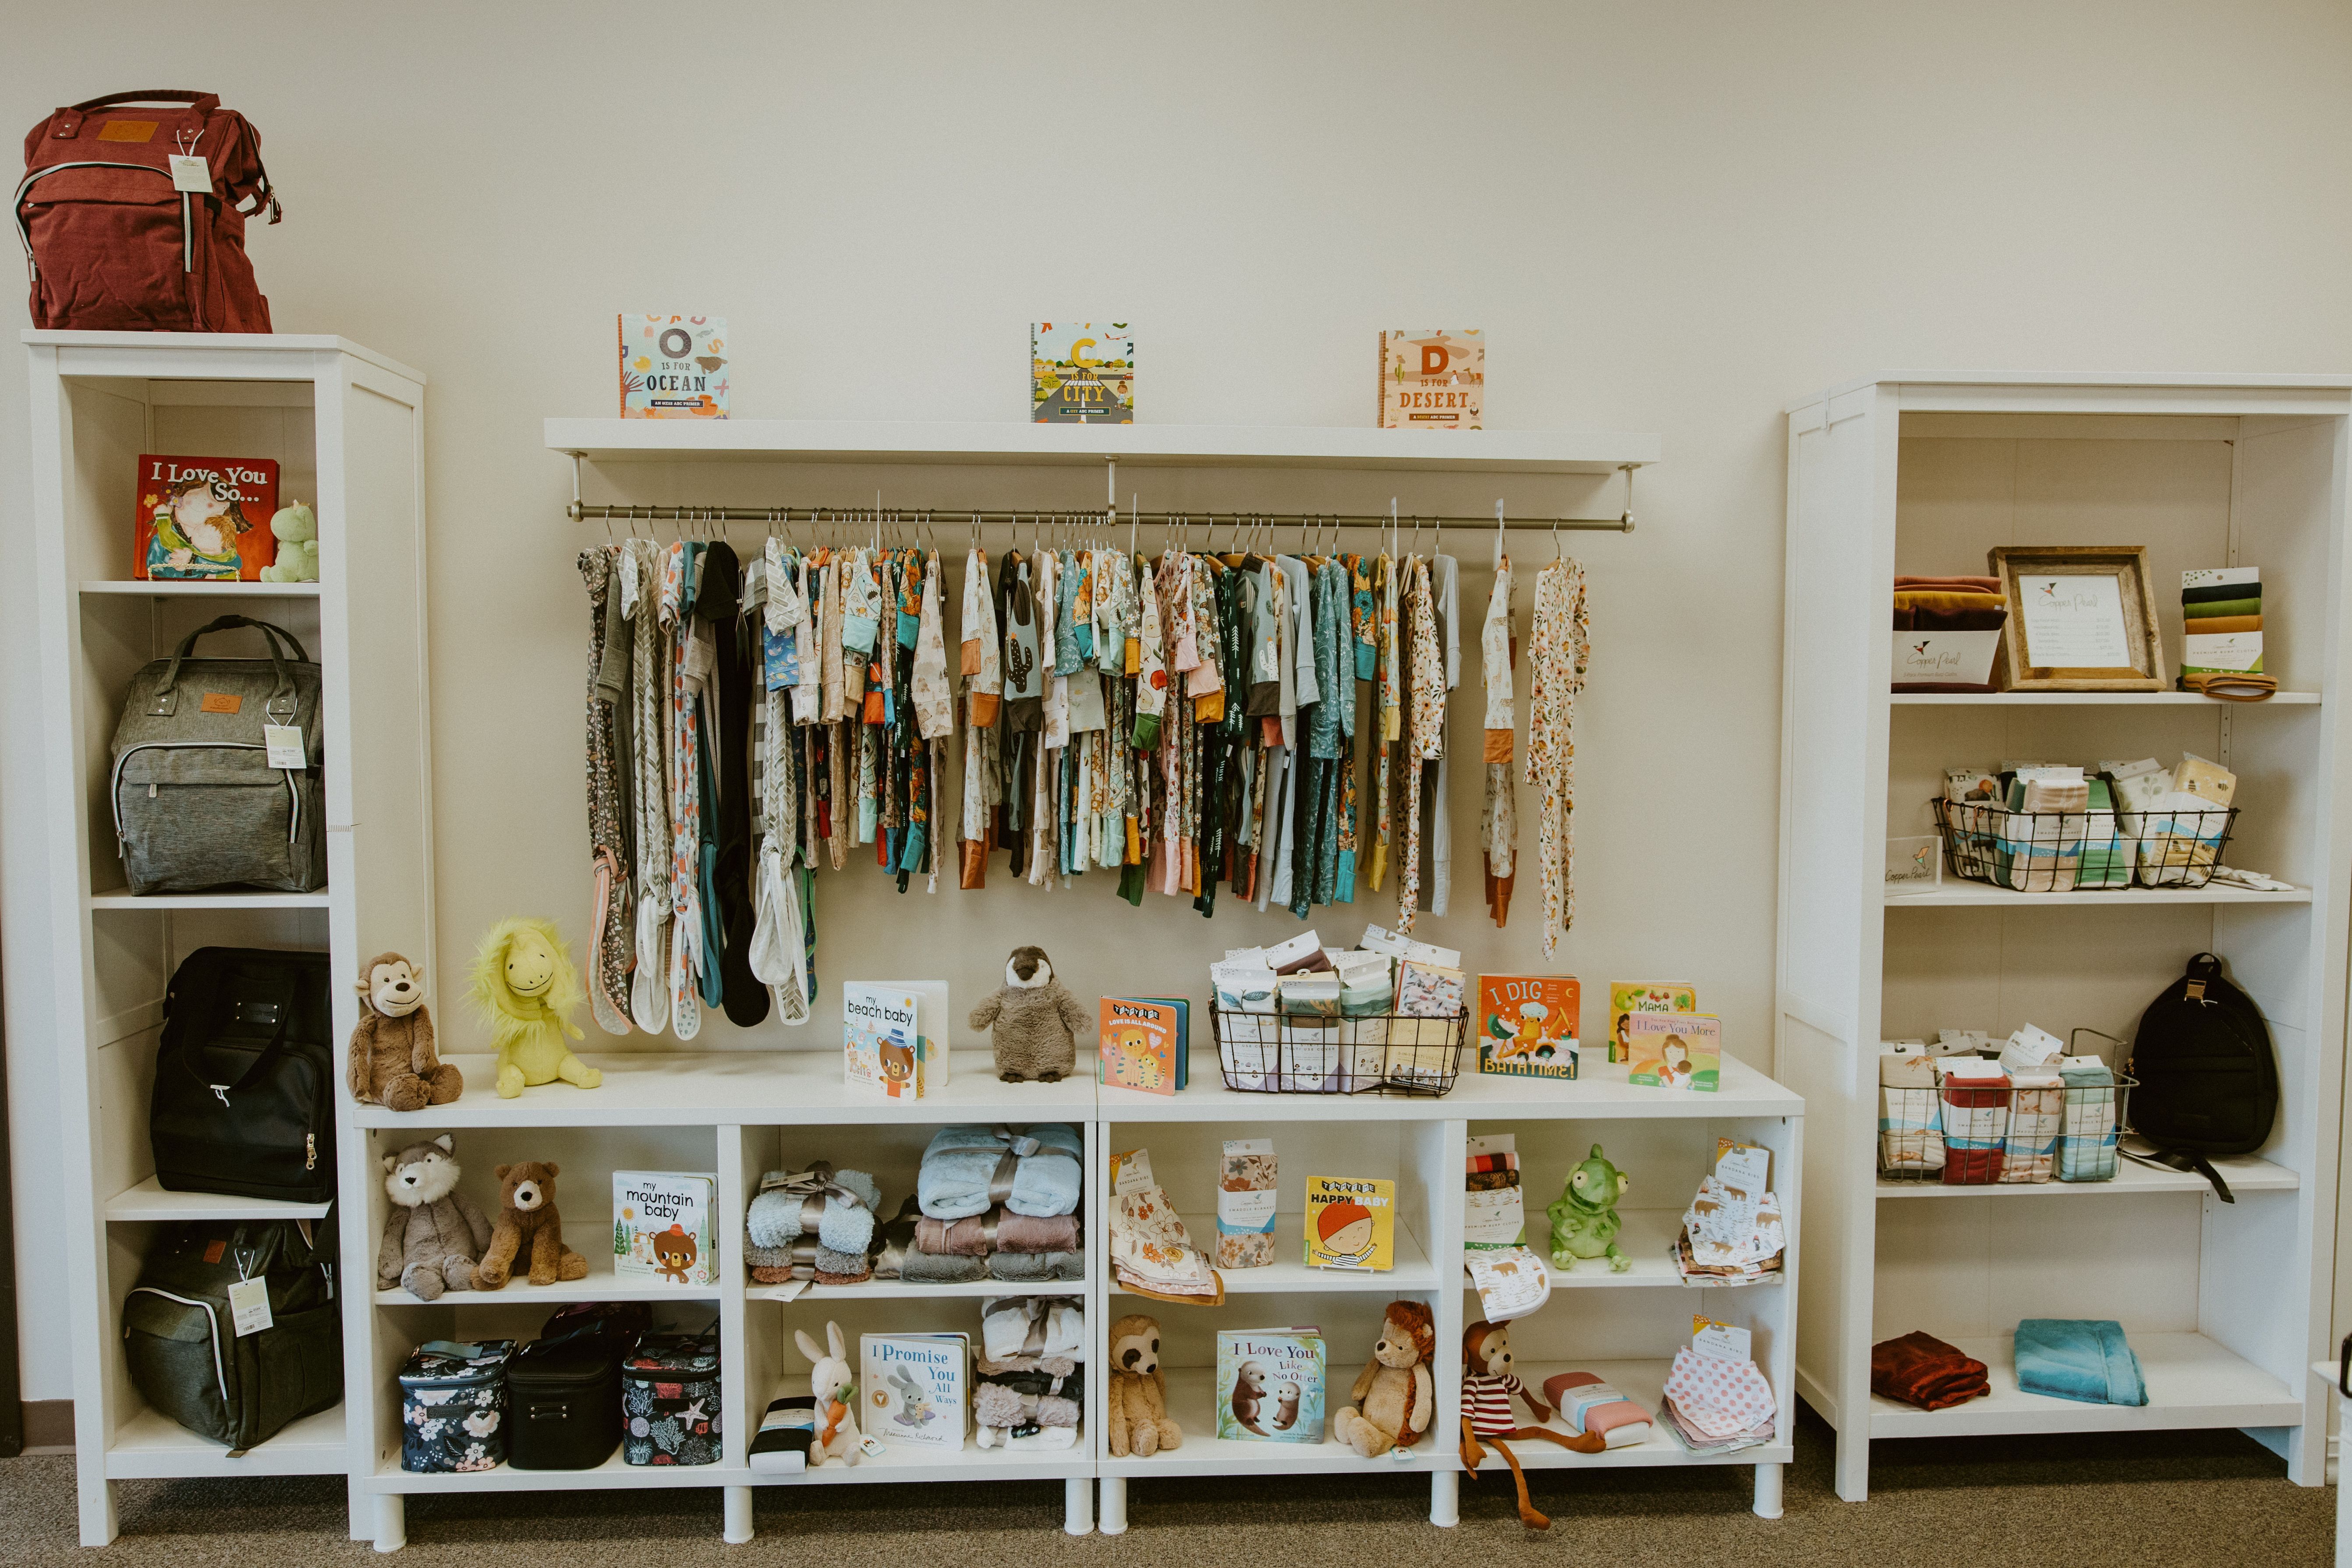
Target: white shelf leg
739	1515
99	1526
391	1521
1444	1498
1114	1505
1767	1492
1078	1506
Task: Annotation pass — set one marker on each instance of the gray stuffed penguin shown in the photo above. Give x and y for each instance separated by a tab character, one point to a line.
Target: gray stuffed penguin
1035	1019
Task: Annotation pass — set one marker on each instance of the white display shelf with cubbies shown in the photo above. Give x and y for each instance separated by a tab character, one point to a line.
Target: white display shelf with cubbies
346	425
1922	474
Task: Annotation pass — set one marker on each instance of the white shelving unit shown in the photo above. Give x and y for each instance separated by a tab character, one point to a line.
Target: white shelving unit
346	427
1922	473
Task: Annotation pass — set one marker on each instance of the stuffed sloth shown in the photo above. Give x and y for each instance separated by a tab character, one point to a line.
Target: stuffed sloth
1035	1021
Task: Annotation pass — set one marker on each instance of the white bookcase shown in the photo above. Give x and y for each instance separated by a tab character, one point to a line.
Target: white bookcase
346	427
1921	473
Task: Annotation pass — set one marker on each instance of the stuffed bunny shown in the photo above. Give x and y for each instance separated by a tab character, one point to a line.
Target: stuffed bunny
833	1385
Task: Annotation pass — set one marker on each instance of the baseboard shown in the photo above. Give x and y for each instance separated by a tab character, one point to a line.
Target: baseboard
48	1425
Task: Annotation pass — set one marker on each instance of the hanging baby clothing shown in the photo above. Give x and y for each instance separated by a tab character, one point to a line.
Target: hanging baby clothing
642	568
608	665
1444	580
1558	652
690	661
1424	727
1498	828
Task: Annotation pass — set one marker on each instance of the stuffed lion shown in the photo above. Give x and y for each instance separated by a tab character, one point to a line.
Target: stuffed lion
527	990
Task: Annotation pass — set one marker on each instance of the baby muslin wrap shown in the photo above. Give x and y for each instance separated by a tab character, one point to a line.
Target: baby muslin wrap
968	1170
2083	1360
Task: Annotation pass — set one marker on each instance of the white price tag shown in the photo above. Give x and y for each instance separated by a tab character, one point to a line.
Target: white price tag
1131	1173
285	743
871	1447
1721	1340
249	1303
790	1291
193	175
1401	1455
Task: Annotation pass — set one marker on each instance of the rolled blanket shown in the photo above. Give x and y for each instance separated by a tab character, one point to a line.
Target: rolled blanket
977	1235
969	1170
2085	1360
837	1208
1919	1369
806	1260
1033	1267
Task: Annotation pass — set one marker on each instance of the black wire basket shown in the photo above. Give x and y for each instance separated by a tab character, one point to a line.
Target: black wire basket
1375	1053
2081	851
1964	1134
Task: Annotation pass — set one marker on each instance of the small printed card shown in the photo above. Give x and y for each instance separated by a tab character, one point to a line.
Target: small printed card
1350	1222
1527	1024
663	1226
674	367
1675	1050
1512	1282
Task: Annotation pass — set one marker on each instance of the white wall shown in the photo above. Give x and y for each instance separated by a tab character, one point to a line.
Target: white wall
1666	217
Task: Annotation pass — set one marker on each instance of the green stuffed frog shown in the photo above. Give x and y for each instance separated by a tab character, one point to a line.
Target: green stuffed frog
1584	1222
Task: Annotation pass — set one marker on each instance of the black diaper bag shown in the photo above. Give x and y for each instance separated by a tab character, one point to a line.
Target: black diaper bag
2208	1083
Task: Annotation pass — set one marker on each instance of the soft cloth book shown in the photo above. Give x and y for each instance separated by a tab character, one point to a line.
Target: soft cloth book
1644	996
1675	1050
674	367
1140	1045
1433	380
915	1388
664	1226
1350	1222
1527	1024
204	517
894	1037
1270	1384
1081	373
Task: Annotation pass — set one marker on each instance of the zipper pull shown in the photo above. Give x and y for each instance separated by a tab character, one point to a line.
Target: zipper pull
310	1151
151	792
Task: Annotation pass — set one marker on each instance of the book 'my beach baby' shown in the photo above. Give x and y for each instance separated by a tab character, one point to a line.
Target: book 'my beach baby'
1270	1385
894	1037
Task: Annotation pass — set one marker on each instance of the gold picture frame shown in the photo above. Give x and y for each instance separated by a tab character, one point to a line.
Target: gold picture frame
2144	649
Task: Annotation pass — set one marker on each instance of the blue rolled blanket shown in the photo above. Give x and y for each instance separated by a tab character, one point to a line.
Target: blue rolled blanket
968	1170
838	1208
2083	1361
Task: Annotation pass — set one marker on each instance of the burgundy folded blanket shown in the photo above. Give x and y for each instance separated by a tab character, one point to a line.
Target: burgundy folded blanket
998	1230
1919	1369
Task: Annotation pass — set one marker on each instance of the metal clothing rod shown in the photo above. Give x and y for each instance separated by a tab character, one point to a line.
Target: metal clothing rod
779	515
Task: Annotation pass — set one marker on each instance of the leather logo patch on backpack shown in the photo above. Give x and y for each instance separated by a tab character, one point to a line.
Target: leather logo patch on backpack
127	130
221	702
215	1249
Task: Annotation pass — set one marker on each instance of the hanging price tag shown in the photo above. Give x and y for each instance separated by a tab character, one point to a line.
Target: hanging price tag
193	175
285	743
249	1303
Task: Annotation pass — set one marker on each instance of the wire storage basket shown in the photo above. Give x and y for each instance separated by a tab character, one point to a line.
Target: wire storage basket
2077	851
1373	1053
1983	1132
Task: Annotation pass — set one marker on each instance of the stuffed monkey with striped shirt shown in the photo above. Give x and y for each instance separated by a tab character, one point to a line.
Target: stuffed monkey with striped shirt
1487	1385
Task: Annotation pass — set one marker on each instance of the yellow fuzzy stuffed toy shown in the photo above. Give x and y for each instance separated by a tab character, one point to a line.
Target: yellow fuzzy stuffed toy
527	990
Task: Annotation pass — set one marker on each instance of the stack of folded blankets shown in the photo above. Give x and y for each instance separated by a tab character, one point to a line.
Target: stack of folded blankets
1716	1403
2221	625
1949	604
1030	1373
817	1224
1919	1369
990	1203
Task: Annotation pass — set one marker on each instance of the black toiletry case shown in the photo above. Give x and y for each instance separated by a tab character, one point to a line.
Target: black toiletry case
563	1389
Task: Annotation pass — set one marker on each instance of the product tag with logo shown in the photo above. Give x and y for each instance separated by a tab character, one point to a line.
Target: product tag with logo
249	1303
193	175
285	743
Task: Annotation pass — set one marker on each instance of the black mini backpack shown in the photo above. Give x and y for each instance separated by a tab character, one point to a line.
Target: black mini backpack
2208	1078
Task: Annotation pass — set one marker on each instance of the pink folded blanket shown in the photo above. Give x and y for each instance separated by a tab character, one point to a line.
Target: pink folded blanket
997	1231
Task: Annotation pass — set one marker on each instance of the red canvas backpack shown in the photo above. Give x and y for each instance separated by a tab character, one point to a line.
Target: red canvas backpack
115	245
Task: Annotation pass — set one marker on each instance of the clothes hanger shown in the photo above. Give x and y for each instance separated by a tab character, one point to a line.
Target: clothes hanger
1500	556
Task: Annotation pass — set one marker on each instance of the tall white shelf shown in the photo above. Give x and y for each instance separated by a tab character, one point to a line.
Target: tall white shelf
1922	473
346	428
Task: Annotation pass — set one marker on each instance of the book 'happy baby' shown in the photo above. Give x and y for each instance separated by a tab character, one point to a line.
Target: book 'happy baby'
1270	1384
1350	1222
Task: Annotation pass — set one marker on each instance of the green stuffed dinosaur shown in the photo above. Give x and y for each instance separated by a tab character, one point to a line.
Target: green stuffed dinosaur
1584	1222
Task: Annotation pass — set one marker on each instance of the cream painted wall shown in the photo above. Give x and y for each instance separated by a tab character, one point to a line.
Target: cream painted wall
1669	217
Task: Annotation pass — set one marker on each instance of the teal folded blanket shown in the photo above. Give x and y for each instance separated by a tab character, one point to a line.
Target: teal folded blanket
2076	1359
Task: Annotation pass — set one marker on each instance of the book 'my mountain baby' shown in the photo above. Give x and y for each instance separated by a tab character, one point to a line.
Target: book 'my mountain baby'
662	1226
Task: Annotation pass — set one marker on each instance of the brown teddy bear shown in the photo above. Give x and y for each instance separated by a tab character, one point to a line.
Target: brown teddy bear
1394	1398
1139	1391
392	1062
529	1225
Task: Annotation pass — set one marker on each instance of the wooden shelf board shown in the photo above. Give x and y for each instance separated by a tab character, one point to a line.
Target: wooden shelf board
591	1240
1191	1396
151	1447
1644	1381
1957	893
899	1289
159	345
1602	1093
1646	1238
201	590
2093	700
2191	1381
120	900
2245	1174
889	441
148	1202
1288	1274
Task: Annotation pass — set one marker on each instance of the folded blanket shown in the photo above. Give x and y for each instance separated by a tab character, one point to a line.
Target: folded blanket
2086	1149
969	1170
1919	1369
995	1404
806	1260
2224	626
1586	1404
939	1269
1988	614
1032	1326
786	1433
977	1235
837	1208
1953	584
1046	1439
2212	608
2221	593
1947	599
2076	1359
1033	1267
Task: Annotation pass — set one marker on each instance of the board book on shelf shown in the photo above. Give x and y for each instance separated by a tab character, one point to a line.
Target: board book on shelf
1527	1024
1675	1050
894	1037
1628	996
674	367
1350	1222
1081	373
915	1388
1270	1384
204	517
1433	379
664	1226
1144	1043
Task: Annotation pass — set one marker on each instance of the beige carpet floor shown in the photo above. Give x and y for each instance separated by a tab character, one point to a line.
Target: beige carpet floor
2153	1500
